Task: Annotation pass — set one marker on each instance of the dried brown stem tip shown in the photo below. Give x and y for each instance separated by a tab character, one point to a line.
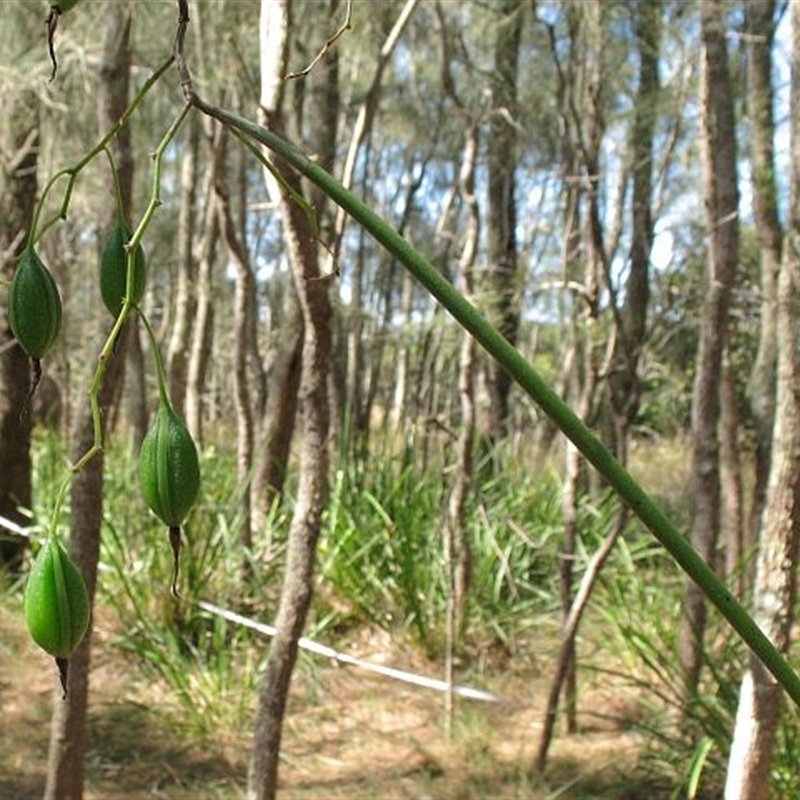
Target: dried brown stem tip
63	674
52	23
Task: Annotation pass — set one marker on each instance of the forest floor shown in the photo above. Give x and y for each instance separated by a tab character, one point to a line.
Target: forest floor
348	734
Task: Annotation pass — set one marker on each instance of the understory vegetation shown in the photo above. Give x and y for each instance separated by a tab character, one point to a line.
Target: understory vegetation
381	572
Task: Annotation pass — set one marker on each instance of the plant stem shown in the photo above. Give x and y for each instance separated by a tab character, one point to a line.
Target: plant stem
72	172
161	375
526	376
108	347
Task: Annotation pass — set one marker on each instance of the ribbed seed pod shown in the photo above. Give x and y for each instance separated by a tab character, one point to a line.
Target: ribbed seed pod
56	604
56	601
34	305
169	471
114	270
168	467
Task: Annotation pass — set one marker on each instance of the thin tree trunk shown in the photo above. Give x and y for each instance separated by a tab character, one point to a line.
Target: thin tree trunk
731	489
66	760
576	361
760	22
203	328
17	203
722	198
580	93
624	383
776	572
314	452
573	477
385	330
278	424
135	395
502	284
403	355
244	322
177	357
65	771
566	652
458	553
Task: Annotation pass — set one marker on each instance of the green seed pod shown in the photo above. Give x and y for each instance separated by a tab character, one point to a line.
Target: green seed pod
56	601
168	467
114	270
34	305
169	471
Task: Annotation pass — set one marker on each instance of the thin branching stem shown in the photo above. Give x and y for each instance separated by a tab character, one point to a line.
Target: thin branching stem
72	172
108	348
161	375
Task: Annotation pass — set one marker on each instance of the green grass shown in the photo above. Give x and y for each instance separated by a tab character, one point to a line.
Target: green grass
640	600
381	565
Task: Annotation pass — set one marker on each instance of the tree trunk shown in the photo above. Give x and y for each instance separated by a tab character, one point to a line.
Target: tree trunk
65	771
580	82
402	380
722	197
457	550
502	285
760	21
244	328
566	651
776	572
135	395
17	202
203	328
177	357
624	383
314	452
281	411
730	478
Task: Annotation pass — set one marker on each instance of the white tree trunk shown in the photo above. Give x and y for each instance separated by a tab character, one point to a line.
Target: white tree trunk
759	700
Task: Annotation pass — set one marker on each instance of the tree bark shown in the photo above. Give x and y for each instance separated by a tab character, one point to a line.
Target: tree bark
730	478
760	24
203	328
17	202
65	771
624	383
458	552
722	224
776	571
502	284
314	452
244	326
580	89
281	411
177	356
